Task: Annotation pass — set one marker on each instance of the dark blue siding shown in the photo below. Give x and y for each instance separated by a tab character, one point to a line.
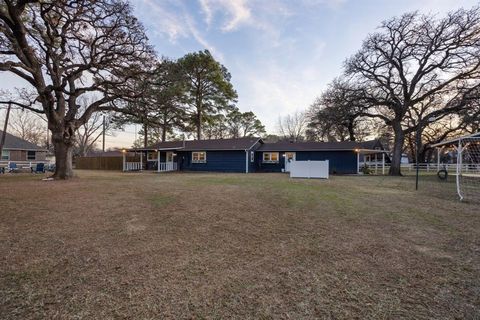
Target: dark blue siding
252	166
341	162
269	167
219	161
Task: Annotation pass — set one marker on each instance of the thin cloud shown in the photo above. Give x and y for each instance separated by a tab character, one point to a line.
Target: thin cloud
166	21
196	34
236	13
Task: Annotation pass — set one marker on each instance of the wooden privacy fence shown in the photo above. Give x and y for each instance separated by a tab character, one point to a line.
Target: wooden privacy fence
103	163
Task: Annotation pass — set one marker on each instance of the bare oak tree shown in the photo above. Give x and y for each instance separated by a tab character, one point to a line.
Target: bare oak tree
413	60
293	126
89	133
337	114
28	126
69	48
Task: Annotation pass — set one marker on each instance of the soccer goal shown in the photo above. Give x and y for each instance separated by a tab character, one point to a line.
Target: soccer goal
464	159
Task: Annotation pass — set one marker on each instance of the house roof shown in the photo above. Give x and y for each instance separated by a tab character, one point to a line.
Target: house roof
15	143
204	145
247	142
319	146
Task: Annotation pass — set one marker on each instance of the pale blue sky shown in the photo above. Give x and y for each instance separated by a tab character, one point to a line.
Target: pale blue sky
281	53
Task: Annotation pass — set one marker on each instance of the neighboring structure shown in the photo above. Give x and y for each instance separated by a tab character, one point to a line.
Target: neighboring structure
252	155
19	150
98	160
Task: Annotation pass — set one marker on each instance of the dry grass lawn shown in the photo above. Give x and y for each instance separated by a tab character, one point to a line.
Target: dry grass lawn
110	245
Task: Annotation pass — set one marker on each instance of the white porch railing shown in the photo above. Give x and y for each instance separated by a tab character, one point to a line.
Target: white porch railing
161	167
167	166
132	166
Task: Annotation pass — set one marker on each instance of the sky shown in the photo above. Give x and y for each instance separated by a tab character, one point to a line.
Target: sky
281	53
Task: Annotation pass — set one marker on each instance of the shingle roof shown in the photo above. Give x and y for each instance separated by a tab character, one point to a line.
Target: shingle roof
203	145
318	146
15	143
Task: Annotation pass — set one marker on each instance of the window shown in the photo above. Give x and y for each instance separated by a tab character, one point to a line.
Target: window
5	155
290	156
252	156
30	155
152	156
169	156
271	157
199	157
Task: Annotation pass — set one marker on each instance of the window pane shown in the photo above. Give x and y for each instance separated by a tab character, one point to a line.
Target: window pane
201	156
5	154
274	156
152	156
30	155
266	156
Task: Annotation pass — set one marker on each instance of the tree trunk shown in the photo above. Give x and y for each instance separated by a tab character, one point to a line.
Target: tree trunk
4	133
145	136
395	166
63	156
199	125
164	133
351	131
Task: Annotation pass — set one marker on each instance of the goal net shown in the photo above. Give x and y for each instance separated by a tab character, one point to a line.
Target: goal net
468	172
463	157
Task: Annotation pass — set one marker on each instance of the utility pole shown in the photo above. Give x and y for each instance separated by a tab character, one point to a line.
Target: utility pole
417	144
103	140
4	134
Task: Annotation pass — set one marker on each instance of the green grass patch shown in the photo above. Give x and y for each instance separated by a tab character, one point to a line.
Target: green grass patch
162	200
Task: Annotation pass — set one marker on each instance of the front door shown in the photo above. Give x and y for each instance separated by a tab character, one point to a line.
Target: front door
169	161
289	158
169	157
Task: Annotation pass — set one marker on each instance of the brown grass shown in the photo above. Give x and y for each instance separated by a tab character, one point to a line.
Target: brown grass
213	246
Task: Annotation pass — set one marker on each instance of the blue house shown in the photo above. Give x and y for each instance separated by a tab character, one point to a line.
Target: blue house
249	154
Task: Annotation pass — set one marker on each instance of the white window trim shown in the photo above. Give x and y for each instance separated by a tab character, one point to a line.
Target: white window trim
270	157
199	161
252	156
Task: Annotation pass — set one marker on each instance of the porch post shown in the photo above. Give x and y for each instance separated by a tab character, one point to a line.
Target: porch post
124	158
358	161
383	163
158	161
141	160
246	161
376	164
438	158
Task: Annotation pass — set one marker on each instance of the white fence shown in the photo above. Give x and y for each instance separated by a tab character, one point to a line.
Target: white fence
425	167
309	169
132	166
22	164
167	166
161	167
